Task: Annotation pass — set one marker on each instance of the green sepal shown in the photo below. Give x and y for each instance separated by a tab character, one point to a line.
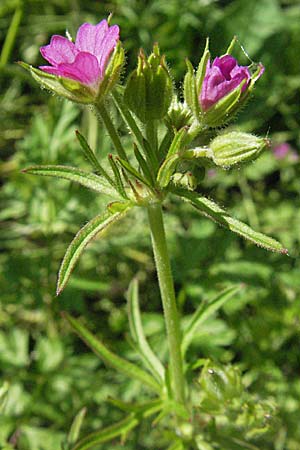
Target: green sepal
222	111
135	95
235	147
90	156
214	212
112	73
64	87
76	427
190	90
149	88
111	359
138	336
201	70
205	310
231	46
98	225
86	179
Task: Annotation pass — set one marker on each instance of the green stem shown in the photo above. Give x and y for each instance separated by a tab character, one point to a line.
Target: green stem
11	36
131	123
102	112
168	300
129	120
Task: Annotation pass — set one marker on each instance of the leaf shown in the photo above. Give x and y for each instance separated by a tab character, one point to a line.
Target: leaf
107	434
204	311
97	225
65	87
76	426
177	445
137	332
214	212
90	156
167	169
118	179
107	356
86	179
128	167
146	408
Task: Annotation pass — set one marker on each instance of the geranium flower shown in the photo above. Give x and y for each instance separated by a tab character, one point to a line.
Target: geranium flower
85	60
222	77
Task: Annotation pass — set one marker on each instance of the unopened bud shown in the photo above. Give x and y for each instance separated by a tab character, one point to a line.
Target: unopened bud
236	147
149	88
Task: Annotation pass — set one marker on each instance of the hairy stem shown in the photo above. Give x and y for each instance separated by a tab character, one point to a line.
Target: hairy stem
168	300
102	112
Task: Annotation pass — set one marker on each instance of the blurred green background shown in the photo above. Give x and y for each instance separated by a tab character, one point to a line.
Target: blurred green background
50	373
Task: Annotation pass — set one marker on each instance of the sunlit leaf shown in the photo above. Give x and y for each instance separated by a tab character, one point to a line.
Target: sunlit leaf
213	211
86	179
94	227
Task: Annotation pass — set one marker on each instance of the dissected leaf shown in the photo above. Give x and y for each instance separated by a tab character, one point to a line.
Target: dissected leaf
86	179
213	211
97	225
121	365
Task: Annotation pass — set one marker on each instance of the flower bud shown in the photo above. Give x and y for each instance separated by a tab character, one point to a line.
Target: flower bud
236	147
218	89
219	385
84	71
149	88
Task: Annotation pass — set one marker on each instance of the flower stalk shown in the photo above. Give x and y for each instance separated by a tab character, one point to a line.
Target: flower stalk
167	291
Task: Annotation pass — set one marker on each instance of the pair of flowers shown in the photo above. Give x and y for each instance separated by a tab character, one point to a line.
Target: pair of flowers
86	62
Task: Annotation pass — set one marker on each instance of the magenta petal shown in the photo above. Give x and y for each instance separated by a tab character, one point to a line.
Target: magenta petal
226	64
51	69
107	46
60	50
89	37
84	69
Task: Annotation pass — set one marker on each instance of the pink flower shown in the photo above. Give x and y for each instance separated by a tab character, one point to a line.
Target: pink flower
281	150
222	77
86	59
284	150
